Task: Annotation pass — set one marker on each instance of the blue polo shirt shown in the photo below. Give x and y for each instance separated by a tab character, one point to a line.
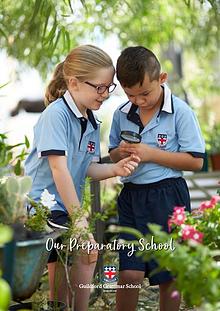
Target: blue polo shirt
62	130
173	128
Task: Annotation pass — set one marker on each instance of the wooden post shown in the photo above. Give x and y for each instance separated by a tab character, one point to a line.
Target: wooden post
99	226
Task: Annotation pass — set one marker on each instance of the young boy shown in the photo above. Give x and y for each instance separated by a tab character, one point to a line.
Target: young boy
171	142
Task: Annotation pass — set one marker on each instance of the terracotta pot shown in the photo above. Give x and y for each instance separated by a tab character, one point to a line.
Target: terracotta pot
215	159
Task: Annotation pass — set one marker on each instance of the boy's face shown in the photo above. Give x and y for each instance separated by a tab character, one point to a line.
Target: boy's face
147	96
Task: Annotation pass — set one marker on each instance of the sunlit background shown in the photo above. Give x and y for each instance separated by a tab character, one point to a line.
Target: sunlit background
184	35
26	83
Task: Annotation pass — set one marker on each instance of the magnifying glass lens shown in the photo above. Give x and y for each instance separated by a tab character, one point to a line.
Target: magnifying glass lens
130	137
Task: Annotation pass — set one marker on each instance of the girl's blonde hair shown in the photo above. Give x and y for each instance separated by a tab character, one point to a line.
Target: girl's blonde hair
82	63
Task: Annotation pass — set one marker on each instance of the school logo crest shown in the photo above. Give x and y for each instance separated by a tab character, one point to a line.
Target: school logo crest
162	140
91	146
110	274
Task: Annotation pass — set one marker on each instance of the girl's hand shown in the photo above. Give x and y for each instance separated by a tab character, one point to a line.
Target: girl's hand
126	166
82	223
90	254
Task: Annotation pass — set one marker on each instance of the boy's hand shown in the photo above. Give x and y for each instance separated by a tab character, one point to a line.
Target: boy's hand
126	166
123	154
143	151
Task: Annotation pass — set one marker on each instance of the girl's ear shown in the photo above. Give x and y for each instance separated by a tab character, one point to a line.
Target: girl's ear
74	83
163	77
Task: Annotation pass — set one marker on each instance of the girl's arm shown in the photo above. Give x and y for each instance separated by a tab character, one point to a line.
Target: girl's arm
65	185
122	168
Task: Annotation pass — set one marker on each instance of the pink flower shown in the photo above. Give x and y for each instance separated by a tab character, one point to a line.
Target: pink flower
178	217
175	294
205	205
215	199
209	204
198	236
190	233
179	209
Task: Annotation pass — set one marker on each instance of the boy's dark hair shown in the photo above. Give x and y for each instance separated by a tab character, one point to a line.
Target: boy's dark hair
134	63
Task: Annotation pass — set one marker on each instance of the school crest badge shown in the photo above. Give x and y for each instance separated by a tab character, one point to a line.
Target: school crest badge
162	140
110	274
91	146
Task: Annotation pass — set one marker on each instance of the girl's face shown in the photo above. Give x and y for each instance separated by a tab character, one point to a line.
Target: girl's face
85	94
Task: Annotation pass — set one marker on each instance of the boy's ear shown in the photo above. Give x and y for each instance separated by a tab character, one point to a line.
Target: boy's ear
163	77
73	83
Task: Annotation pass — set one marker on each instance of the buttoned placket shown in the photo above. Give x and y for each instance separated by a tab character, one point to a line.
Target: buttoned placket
83	123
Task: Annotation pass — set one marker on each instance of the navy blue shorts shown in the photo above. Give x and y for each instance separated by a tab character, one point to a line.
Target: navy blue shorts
60	218
139	205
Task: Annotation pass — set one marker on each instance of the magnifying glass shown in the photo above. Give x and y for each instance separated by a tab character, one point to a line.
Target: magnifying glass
130	137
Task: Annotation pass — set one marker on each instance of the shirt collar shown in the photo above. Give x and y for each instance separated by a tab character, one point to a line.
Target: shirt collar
72	106
167	104
132	115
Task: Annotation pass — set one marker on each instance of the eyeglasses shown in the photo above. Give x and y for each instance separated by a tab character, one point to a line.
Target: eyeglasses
100	89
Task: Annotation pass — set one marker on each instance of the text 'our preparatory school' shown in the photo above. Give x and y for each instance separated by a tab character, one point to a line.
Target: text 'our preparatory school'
140	245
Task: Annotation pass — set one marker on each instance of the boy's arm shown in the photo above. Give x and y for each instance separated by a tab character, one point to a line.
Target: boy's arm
176	160
118	154
115	141
115	155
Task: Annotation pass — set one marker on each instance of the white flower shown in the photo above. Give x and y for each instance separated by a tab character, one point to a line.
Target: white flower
47	199
112	228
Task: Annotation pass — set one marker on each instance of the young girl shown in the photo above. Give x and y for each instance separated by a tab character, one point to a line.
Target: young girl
66	149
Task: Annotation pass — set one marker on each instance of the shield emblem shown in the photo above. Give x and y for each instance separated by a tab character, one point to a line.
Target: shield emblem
162	140
91	146
110	274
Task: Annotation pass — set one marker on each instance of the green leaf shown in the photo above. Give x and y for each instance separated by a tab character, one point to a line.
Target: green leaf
9	147
67	37
37	6
56	41
12	185
3	136
17	168
25	184
27	143
52	32
13	200
3	85
46	20
5	234
70	6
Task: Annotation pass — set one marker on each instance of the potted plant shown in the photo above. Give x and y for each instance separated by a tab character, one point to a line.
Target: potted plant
26	247
213	146
18	258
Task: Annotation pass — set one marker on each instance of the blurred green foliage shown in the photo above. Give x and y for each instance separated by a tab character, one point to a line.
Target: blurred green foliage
8	161
40	32
212	138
